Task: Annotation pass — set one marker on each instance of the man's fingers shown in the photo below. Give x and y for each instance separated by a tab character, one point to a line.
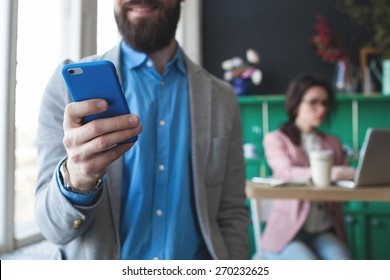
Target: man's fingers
95	166
74	112
100	127
100	144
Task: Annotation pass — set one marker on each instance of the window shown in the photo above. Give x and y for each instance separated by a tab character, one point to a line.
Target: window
38	53
35	36
8	14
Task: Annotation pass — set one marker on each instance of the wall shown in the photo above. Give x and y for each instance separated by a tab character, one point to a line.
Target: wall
279	29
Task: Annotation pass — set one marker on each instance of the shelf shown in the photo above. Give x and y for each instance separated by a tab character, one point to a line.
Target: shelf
253	160
258	99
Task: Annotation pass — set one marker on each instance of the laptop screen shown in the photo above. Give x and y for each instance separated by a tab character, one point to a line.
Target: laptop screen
374	160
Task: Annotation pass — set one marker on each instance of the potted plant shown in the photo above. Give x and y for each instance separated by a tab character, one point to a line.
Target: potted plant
239	73
332	48
374	15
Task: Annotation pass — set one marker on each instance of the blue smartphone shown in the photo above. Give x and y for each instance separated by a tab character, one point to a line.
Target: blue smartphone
97	79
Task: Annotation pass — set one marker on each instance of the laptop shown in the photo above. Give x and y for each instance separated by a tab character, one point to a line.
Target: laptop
374	161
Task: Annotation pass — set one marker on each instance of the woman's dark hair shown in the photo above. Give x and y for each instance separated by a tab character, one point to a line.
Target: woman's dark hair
294	95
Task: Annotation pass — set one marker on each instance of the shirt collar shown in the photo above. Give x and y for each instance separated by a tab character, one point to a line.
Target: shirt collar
133	59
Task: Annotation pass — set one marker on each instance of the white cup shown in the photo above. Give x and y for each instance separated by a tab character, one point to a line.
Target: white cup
321	163
250	150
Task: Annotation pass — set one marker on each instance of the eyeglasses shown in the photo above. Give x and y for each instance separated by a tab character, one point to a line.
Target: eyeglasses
317	102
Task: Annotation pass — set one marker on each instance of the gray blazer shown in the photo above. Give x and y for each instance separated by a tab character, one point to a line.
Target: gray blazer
218	172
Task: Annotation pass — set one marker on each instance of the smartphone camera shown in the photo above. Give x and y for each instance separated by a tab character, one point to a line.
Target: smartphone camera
71	71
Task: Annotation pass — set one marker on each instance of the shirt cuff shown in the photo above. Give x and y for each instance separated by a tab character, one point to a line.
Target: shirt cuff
79	199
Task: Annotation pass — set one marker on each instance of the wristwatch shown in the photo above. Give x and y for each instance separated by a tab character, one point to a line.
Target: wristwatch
65	179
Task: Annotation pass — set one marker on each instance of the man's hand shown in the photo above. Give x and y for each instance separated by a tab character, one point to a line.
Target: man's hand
91	147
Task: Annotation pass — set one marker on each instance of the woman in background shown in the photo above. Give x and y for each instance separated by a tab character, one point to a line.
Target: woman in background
299	229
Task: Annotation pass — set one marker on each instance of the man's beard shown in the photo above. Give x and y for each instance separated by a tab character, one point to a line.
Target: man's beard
145	36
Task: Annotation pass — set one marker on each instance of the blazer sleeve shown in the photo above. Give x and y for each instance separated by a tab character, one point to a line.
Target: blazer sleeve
279	155
55	214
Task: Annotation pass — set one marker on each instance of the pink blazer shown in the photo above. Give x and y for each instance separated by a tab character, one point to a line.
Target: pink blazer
288	161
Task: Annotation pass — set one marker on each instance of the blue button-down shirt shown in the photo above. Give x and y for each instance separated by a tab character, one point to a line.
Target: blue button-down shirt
158	213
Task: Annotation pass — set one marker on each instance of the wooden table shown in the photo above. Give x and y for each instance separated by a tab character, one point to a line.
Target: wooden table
304	192
256	191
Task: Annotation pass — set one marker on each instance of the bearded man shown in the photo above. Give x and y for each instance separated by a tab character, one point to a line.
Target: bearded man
178	192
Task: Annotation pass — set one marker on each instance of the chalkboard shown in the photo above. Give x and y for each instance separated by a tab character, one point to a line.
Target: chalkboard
279	30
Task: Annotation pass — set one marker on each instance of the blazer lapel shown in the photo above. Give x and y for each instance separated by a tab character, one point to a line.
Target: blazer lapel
200	115
114	188
114	172
114	55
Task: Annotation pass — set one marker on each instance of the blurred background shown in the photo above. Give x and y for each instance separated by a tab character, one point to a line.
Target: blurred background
344	41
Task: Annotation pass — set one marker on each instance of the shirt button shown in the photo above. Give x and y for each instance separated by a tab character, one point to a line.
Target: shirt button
77	224
162	83
149	63
159	212
162	123
156	258
161	167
